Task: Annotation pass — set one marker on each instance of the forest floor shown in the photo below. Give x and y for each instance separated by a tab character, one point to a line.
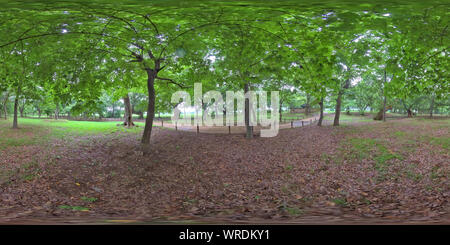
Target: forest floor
363	171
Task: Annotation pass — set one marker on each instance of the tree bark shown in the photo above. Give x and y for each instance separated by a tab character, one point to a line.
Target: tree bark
339	101
21	108
337	113
113	110
249	129
319	123
280	111
151	75
410	114
128	112
16	104
57	112
308	101
4	106
432	106
384	94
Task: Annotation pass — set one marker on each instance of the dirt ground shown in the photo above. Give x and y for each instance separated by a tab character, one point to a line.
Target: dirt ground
374	172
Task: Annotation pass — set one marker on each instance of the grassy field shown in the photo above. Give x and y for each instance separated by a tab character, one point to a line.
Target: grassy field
36	131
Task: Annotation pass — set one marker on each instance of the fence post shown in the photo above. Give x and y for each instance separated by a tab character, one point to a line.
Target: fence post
303	123
198	129
292	123
176	125
162	123
310	122
229	129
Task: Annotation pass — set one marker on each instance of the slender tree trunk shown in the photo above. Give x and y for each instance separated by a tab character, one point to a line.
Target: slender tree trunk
410	114
338	109
16	104
128	112
151	75
432	106
337	114
57	112
249	128
113	110
5	110
4	107
384	94
21	108
319	123
280	111
308	101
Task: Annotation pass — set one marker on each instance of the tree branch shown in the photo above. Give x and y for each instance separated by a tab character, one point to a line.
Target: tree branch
172	81
59	34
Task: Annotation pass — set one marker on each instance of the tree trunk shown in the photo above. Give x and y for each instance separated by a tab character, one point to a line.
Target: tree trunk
409	112
16	104
319	123
128	112
338	109
432	106
249	128
151	75
57	112
113	110
339	101
4	107
384	94
280	111
308	101
21	108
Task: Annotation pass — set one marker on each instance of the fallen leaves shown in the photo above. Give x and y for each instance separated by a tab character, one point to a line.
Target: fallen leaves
226	176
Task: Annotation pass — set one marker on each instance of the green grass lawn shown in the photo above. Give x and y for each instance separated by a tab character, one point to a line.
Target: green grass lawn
349	118
35	131
77	127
